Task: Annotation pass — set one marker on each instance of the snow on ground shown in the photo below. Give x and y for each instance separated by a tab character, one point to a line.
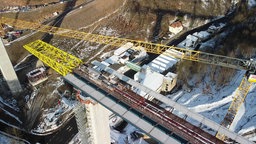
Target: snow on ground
8	139
214	104
248	121
51	116
4	139
11	103
108	32
251	3
17	65
125	136
76	140
210	106
88	49
205	3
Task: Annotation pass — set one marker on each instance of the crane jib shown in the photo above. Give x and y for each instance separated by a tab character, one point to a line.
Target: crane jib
187	54
65	64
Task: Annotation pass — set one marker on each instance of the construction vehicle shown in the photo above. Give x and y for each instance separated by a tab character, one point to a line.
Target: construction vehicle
185	54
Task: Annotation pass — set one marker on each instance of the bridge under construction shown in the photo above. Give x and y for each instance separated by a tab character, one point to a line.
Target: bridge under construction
162	125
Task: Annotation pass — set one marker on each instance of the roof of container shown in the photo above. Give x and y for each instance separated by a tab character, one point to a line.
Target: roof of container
202	34
163	62
151	79
123	48
112	60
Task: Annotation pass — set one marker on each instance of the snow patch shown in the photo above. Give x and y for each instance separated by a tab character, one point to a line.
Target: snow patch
125	136
210	106
205	3
11	103
107	31
251	3
6	138
51	116
214	105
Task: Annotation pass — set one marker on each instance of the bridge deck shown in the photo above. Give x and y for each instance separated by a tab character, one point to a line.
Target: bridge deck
201	119
122	111
142	113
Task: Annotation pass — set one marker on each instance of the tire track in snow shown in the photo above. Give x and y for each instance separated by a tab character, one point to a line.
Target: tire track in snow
210	106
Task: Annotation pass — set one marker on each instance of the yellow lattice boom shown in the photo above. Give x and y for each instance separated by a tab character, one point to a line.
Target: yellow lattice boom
64	63
236	103
114	41
57	59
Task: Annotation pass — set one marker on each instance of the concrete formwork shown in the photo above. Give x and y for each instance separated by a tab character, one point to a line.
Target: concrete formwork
8	70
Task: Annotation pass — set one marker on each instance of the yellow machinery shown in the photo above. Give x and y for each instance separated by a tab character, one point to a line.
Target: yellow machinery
59	60
64	63
237	101
149	47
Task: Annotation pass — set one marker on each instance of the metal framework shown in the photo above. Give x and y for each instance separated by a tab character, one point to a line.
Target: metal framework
161	117
237	101
149	47
178	107
59	60
64	63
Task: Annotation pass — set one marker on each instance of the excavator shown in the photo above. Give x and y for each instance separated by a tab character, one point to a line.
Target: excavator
183	54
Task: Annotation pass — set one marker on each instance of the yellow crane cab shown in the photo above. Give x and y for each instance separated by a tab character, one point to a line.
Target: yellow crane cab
252	78
251	71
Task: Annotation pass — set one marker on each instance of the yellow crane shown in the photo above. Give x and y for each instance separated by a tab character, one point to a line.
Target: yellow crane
63	62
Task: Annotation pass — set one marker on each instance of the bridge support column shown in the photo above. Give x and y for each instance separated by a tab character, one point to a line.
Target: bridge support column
98	121
81	120
8	70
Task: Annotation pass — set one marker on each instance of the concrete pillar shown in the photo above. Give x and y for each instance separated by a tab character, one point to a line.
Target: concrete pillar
81	120
98	119
8	70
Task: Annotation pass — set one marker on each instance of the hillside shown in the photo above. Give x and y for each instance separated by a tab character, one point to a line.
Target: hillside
5	3
146	19
206	89
142	19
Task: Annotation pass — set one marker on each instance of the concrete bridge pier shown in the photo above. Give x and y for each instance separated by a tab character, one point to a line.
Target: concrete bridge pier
7	70
98	119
